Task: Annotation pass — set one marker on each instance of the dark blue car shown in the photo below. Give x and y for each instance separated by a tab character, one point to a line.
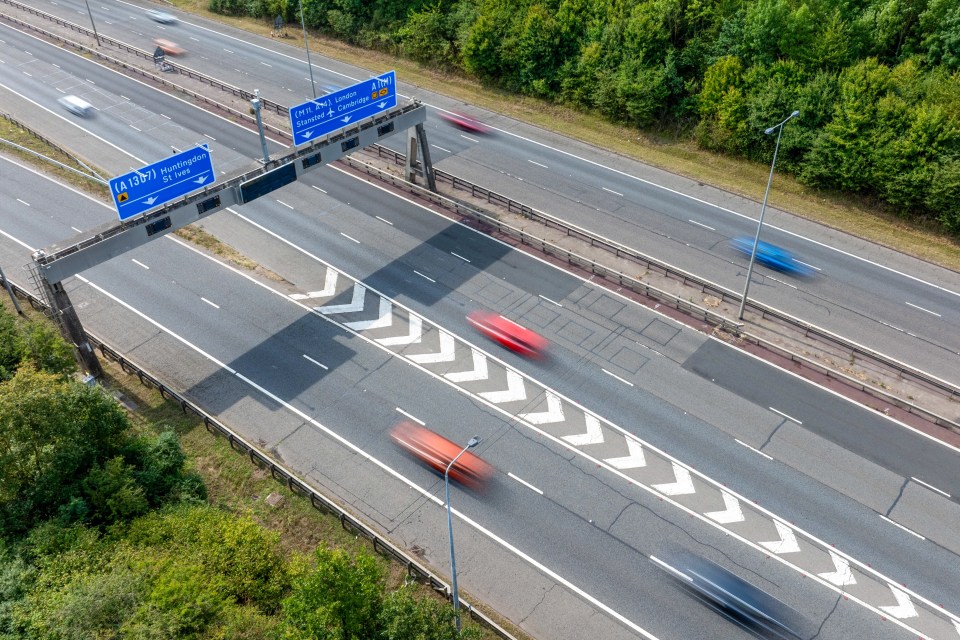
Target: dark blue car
770	255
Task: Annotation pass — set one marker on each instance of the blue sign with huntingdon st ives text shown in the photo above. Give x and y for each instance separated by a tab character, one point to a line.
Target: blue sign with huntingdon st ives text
163	181
336	110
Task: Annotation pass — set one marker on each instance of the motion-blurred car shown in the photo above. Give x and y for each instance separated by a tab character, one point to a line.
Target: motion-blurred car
771	255
509	334
76	106
733	597
161	16
169	48
436	451
464	122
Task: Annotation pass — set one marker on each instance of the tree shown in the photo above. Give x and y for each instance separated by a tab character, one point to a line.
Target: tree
339	598
53	431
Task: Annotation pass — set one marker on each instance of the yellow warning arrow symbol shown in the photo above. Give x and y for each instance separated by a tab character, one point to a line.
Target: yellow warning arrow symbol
123	197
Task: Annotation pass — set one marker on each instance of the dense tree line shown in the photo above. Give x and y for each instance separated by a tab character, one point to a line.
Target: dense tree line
877	82
105	533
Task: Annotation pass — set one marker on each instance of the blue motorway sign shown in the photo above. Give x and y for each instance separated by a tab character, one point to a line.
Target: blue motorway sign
163	181
336	110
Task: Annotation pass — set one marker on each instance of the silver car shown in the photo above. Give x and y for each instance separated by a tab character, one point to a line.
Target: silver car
76	106
161	16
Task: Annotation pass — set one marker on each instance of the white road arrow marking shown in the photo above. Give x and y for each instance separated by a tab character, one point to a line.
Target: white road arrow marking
593	434
478	372
732	513
554	412
904	608
413	336
356	304
633	460
329	288
384	319
515	390
787	542
842	576
682	486
445	354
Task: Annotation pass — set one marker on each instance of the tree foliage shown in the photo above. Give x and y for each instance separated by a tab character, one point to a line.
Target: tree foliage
668	64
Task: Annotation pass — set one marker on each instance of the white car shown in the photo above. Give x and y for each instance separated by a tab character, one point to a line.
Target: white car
161	16
76	106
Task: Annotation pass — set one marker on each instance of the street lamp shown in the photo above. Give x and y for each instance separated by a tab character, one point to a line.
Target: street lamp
474	441
756	239
303	25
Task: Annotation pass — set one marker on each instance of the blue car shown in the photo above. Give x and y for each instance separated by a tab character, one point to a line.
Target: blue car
770	255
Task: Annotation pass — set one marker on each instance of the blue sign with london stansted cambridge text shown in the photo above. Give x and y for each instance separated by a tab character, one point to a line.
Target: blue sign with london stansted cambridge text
336	110
163	181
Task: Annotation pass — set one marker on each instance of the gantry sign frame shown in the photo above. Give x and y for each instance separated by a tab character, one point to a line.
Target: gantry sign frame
57	262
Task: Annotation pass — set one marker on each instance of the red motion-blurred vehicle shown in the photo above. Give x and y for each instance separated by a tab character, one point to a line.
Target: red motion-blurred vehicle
509	334
437	452
464	122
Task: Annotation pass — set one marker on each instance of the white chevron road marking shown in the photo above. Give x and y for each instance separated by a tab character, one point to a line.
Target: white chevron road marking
515	390
683	485
732	512
554	412
478	372
413	336
384	318
446	353
787	542
593	434
633	460
904	608
356	304
842	575
329	288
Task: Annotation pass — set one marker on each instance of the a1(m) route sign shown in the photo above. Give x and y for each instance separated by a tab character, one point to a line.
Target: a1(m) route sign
336	110
163	181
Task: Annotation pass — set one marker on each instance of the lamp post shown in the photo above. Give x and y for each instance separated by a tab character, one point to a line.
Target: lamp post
474	441
306	45
90	13
756	239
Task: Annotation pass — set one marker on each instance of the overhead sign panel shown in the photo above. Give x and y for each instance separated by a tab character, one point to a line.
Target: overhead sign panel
163	181
339	109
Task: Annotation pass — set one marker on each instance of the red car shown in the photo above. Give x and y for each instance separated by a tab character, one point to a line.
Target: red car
464	122
437	452
509	334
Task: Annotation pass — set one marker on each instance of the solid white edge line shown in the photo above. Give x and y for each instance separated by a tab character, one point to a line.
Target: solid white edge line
930	486
792	419
319	364
754	449
524	483
412	417
897	524
613	375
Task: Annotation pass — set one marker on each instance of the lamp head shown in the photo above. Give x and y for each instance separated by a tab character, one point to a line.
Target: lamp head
770	130
474	441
